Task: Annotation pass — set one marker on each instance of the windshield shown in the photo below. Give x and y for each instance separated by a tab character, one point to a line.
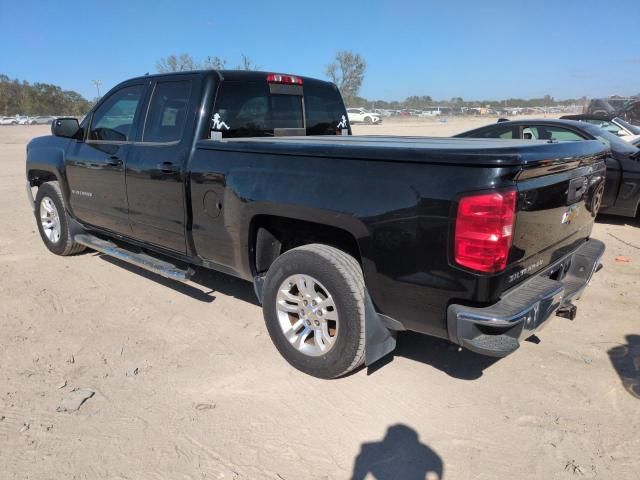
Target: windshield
632	128
609	139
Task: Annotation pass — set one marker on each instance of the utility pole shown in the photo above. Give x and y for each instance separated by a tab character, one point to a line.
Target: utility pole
97	83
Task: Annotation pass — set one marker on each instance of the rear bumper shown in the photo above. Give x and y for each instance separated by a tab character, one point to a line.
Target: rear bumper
496	330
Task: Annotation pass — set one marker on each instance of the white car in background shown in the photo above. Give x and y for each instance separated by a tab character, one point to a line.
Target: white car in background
430	113
383	113
8	121
42	120
360	115
23	120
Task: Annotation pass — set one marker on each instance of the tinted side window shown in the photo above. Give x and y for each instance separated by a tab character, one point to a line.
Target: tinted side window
544	132
499	132
113	120
324	110
167	112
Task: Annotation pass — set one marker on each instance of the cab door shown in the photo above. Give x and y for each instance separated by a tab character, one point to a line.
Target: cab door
95	165
156	168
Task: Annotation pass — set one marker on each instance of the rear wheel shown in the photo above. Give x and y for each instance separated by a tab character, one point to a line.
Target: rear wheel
314	310
53	221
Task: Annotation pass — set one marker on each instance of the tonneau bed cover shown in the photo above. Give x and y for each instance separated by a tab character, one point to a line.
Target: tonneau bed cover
445	150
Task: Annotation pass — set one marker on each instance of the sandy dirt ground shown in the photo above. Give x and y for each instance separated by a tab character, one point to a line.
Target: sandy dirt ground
188	386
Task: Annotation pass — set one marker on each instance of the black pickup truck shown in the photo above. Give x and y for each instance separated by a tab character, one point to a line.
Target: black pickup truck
346	239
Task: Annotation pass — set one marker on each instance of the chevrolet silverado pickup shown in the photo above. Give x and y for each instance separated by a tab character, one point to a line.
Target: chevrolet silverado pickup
347	239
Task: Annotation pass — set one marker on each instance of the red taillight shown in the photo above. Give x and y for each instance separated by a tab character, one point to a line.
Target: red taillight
288	79
484	227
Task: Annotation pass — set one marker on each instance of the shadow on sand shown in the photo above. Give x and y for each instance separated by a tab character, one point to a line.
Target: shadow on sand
617	220
211	280
441	354
626	360
399	455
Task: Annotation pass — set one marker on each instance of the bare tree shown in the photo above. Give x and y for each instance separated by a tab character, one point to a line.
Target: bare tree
185	62
214	63
247	64
347	72
176	63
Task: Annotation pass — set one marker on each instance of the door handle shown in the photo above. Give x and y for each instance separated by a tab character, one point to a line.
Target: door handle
114	161
167	167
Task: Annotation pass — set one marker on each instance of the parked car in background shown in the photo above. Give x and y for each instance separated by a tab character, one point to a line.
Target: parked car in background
42	120
610	123
360	115
430	113
8	121
23	120
621	194
626	108
383	113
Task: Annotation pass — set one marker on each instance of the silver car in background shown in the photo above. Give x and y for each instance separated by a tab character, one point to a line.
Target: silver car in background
42	120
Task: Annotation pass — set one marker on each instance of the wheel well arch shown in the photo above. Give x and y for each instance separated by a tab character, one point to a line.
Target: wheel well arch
38	177
270	236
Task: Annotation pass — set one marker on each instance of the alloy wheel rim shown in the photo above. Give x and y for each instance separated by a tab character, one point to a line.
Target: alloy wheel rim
307	315
50	220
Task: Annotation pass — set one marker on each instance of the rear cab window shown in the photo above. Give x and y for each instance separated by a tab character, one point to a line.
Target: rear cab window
261	109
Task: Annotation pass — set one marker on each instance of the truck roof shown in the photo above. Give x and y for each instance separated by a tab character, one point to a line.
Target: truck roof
232	75
435	150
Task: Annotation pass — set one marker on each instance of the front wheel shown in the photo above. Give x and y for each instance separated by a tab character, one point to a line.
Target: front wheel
314	310
53	221
367	120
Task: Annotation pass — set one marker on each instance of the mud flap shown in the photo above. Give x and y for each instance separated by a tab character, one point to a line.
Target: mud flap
379	340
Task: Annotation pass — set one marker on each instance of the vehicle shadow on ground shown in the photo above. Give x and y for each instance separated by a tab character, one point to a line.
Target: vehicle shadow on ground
616	220
438	353
212	282
626	361
400	454
441	354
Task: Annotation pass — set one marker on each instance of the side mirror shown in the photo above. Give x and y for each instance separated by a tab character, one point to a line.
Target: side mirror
65	127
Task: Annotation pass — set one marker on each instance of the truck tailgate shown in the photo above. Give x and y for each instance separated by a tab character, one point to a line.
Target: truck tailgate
557	204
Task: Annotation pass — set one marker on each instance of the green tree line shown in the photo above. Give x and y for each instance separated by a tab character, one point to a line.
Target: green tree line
425	102
23	98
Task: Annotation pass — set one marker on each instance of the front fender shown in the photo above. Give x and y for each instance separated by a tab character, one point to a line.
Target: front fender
46	161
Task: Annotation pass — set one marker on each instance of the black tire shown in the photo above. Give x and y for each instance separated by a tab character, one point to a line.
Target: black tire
341	274
367	119
64	245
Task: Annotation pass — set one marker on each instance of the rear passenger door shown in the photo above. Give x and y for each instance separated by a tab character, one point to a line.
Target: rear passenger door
156	166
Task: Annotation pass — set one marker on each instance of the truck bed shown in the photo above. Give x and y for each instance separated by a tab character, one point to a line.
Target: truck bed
434	150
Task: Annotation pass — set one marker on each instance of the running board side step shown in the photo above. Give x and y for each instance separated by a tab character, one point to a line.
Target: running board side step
142	260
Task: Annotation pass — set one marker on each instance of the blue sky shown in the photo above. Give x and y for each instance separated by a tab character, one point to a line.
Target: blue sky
474	49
